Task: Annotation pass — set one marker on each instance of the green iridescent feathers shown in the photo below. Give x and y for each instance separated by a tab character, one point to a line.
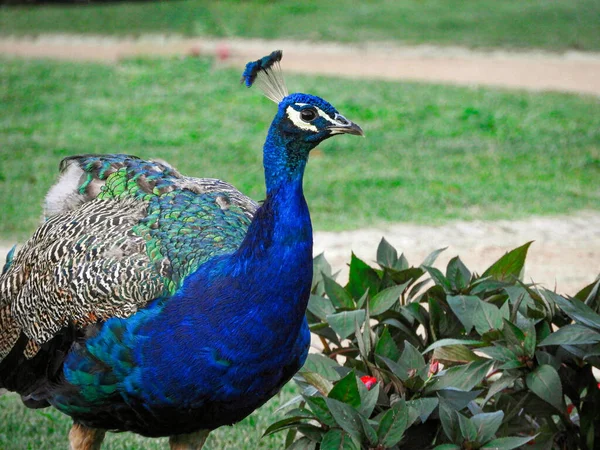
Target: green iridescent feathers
120	232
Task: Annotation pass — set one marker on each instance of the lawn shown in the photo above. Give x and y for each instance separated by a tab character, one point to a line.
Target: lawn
432	153
552	25
48	429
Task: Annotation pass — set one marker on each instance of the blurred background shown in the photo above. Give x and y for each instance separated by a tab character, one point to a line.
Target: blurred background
482	121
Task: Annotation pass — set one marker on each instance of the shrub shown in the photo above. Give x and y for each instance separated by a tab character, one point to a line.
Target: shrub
454	361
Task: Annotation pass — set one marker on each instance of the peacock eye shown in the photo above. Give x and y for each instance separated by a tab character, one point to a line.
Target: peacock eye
308	114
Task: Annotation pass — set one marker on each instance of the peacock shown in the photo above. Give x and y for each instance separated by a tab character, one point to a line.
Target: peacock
161	304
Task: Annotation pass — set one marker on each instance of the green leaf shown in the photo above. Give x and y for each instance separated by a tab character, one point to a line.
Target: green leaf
318	381
423	406
515	338
447	447
344	323
499	353
320	409
576	310
385	299
455	353
386	254
412	359
361	302
500	384
430	259
336	439
450	424
386	346
302	444
320	306
368	399
363	339
514	364
464	307
530	338
409	334
590	294
458	274
508	267
346	390
320	267
545	383
487	424
401	264
438	278
457	400
398	368
467	429
392	425
446	342
361	278
507	443
572	335
487	317
346	417
283	424
368	430
312	432
337	294
547	358
462	378
322	365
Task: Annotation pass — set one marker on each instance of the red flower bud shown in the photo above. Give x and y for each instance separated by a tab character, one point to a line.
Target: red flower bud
369	381
570	409
434	367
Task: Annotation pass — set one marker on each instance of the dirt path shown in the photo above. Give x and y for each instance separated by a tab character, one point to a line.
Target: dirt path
568	72
565	254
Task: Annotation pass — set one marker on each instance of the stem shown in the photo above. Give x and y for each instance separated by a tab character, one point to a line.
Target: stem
326	347
341	351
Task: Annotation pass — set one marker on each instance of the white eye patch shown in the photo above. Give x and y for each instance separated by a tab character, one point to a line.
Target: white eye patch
294	116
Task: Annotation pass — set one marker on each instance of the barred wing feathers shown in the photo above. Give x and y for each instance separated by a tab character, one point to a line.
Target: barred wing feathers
120	232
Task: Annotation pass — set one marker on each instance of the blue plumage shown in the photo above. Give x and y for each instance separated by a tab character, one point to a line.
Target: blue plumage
224	287
254	68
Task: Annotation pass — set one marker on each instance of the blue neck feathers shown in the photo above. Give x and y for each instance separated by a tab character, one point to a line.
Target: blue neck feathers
283	221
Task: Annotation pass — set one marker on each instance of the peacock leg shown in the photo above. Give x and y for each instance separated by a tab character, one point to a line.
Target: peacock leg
85	438
192	441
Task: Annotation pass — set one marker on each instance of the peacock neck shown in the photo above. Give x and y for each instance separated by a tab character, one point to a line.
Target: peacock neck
282	224
284	159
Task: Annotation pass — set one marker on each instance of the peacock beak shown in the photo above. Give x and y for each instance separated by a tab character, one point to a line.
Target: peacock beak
342	125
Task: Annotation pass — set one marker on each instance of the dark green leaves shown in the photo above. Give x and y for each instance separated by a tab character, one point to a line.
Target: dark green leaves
386	299
362	277
510	266
545	383
346	391
462	378
344	323
465	362
336	439
393	425
572	335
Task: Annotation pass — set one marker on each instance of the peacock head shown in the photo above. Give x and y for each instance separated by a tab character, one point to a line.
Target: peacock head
302	120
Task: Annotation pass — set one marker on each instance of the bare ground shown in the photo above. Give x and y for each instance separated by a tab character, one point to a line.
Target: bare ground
535	70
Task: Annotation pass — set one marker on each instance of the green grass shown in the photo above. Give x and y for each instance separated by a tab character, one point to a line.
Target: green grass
552	25
48	429
432	153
